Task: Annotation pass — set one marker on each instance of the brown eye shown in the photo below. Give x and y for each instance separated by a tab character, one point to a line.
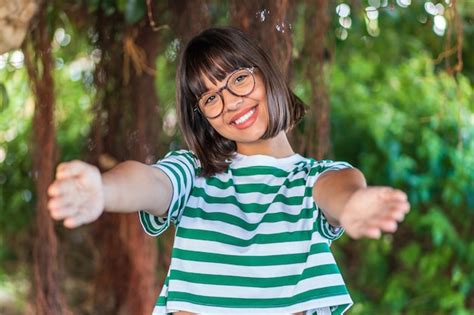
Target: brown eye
209	99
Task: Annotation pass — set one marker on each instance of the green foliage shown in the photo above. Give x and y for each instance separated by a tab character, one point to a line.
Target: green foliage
132	10
413	129
16	195
395	115
3	97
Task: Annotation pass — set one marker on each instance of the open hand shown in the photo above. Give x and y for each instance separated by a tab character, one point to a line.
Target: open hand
76	196
373	210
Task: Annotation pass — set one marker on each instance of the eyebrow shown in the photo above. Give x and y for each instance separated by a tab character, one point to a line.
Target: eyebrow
214	81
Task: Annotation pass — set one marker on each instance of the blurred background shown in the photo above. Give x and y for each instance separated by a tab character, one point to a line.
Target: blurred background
389	88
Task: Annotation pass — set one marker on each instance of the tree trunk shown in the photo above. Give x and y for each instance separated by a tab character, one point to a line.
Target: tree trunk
126	127
189	17
318	126
48	296
270	23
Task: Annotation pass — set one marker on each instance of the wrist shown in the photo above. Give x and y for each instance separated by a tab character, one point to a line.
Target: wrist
107	193
345	207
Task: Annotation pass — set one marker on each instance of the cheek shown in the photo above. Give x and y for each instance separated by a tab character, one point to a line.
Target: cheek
219	126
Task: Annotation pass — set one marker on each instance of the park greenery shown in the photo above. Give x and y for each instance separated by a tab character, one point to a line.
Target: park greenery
397	112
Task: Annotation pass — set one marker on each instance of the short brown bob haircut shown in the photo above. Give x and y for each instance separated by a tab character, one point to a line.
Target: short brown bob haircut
215	53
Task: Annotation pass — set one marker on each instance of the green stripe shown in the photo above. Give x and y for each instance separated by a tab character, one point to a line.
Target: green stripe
305	213
178	201
323	227
253	282
258	303
246	207
182	189
188	155
161	301
249	188
231	240
271	260
241	260
259	170
145	218
180	175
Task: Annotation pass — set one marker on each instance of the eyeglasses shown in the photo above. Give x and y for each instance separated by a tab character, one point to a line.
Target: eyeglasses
241	82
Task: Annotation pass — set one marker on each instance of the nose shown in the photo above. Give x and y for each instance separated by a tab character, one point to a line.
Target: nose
231	102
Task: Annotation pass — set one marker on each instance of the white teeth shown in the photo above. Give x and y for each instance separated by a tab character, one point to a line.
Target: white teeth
244	118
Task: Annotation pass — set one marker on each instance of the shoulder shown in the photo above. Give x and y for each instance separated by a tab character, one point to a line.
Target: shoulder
318	166
181	158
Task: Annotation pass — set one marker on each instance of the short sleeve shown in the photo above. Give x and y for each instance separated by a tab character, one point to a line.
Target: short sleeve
181	168
317	169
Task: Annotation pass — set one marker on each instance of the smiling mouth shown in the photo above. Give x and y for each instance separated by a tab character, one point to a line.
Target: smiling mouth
241	120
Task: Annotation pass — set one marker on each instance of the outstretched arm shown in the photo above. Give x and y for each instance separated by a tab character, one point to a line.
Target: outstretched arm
362	211
80	193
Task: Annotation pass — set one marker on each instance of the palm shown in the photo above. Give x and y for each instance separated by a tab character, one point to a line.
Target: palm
373	210
87	194
76	194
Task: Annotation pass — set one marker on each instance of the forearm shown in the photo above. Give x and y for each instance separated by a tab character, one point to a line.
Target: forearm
334	188
133	186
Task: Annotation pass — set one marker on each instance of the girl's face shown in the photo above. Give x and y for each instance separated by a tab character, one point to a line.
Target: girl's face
244	119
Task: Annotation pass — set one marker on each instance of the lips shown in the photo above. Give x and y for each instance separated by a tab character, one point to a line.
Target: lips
241	115
245	119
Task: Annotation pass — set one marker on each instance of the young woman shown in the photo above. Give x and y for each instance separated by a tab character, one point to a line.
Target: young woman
254	219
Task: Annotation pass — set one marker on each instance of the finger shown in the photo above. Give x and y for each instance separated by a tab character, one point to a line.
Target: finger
389	226
73	222
63	212
61	188
392	194
396	216
71	169
58	202
396	212
53	189
388	223
373	232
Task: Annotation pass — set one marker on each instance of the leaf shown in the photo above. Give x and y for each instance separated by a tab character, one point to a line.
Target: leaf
134	11
3	97
108	6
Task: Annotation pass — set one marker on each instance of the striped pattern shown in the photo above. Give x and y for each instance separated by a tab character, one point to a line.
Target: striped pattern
250	240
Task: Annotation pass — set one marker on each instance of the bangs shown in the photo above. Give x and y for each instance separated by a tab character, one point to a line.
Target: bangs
213	55
212	60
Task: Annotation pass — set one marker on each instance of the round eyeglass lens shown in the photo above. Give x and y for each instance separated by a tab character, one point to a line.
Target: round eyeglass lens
211	104
240	83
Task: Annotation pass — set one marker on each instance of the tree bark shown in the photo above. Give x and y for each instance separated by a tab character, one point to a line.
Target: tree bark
49	299
270	23
126	127
318	128
189	17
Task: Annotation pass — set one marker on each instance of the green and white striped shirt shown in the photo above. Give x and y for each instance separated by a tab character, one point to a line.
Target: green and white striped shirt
250	240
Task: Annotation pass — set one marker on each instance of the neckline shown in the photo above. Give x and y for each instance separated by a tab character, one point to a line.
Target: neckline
241	160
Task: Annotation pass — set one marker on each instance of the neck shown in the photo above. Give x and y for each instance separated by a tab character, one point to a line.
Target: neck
278	147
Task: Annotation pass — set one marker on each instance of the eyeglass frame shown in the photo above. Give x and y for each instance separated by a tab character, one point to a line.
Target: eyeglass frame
226	87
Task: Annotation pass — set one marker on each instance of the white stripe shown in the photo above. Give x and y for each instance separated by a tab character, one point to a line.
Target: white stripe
301	307
229	291
215	268
254	197
252	250
334	166
305	225
253	217
181	185
269	180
